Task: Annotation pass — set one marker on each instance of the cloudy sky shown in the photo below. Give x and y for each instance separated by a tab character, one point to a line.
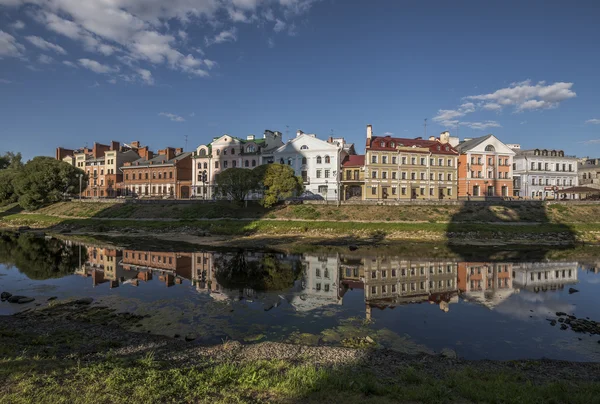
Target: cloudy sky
73	72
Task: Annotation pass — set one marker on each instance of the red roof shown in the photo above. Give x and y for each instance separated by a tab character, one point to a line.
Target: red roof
354	160
432	145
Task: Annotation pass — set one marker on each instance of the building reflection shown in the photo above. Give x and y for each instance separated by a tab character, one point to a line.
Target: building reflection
312	281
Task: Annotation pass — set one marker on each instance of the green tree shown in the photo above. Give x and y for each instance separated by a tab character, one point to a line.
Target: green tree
11	160
235	184
45	180
278	182
7	189
39	258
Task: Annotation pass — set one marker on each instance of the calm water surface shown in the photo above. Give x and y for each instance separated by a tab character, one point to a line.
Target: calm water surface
482	310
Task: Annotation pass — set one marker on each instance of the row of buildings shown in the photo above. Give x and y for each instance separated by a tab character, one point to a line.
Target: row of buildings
392	168
387	281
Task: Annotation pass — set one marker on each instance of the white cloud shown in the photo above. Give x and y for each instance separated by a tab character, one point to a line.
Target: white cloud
4	81
492	106
45	59
481	125
70	64
97	67
96	84
112	81
591	141
593	121
525	96
146	76
229	35
448	117
388	134
209	63
43	44
172	117
271	42
182	34
9	46
18	24
523	122
279	26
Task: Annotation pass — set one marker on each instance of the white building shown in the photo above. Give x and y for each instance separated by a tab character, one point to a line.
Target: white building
230	152
542	174
316	161
543	276
320	285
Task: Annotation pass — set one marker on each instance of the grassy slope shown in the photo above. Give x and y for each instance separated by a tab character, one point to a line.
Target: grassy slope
148	381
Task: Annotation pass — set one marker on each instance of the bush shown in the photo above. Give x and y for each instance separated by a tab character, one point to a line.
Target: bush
305	212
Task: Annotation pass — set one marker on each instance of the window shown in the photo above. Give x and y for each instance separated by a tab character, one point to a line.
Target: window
403	175
126	176
490	148
303	161
232	151
304	147
403	190
394	174
413	176
322	189
289	161
225	164
422	176
394	191
319	161
449	162
250	149
171	174
403	160
318	173
413	160
449	176
246	163
373	174
440	162
394	160
373	190
383	159
422	161
440	177
422	191
327	160
205	166
384	175
327	173
431	191
373	159
491	161
253	163
216	164
382	144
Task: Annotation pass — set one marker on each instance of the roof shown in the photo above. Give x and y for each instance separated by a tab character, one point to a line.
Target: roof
392	144
580	190
157	160
356	160
469	144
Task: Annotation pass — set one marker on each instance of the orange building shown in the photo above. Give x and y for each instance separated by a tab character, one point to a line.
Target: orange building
485	167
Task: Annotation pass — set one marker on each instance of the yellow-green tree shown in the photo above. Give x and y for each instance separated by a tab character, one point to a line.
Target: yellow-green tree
278	181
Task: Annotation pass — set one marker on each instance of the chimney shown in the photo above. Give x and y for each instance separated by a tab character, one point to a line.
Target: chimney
114	145
445	137
369	131
170	153
330	140
178	151
299	132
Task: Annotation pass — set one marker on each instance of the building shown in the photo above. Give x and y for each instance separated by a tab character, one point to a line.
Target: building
588	172
171	267
320	285
230	152
484	168
401	168
166	175
353	177
542	174
316	161
544	276
486	283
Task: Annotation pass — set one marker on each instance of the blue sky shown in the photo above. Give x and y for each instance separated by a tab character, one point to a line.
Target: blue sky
73	72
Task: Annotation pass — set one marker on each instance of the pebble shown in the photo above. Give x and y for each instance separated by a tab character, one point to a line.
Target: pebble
573	290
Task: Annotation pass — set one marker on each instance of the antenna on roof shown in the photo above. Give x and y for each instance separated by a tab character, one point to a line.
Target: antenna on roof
186	137
457	126
425	126
287	131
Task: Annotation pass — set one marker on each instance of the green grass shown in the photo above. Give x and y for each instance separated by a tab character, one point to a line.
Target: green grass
145	380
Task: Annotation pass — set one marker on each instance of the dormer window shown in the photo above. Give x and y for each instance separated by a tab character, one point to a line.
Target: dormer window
447	148
392	144
489	148
536	152
202	152
250	149
304	147
439	148
382	144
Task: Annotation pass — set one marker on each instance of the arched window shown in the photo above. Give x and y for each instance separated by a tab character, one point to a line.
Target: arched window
561	153
304	147
536	152
319	160
253	163
289	161
218	152
232	151
203	152
250	149
303	160
205	166
327	160
246	163
490	148
553	153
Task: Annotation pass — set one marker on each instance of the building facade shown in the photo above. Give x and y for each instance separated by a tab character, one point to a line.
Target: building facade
542	174
401	168
316	161
166	175
353	177
229	152
485	168
588	172
486	283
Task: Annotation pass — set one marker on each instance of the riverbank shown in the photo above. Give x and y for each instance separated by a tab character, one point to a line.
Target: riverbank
83	352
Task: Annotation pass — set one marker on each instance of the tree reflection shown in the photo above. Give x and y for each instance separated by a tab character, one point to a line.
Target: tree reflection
39	258
263	273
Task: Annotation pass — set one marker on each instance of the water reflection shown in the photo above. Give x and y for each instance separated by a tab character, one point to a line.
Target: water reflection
310	281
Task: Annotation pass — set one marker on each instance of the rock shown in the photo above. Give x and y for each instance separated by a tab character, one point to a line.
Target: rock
572	317
85	300
560	320
564	326
24	300
560	313
52	298
190	337
572	290
5	295
352	247
553	323
449	353
15	299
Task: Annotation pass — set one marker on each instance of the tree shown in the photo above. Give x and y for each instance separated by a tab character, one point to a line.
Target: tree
7	189
278	181
11	160
45	180
235	184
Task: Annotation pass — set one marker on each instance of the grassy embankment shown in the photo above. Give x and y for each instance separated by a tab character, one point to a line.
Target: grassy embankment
431	222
